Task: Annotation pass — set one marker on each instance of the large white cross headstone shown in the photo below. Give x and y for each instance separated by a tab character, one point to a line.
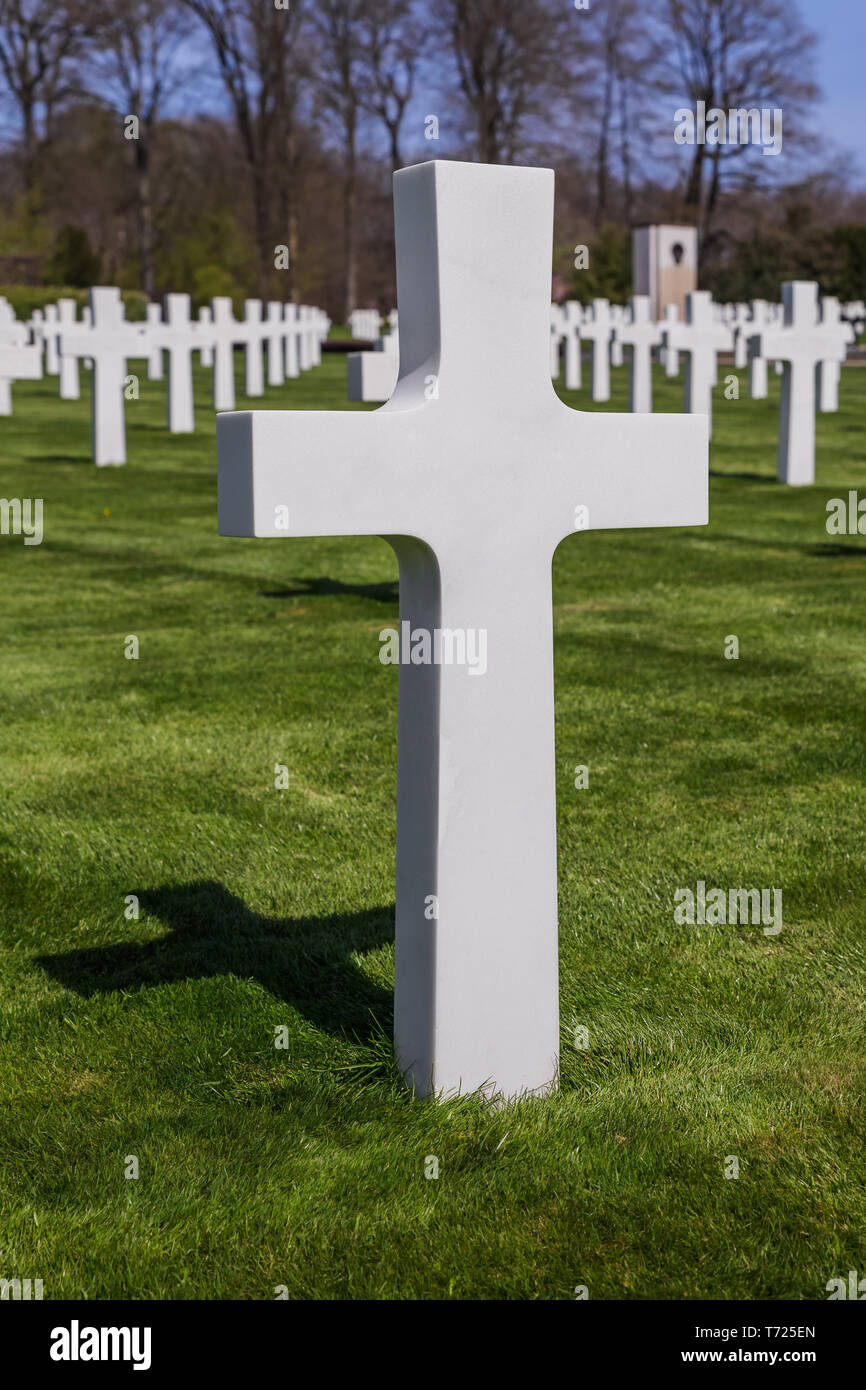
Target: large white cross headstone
642	335
474	471
107	341
801	342
701	337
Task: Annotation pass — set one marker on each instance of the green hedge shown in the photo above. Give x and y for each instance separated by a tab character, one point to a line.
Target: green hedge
25	298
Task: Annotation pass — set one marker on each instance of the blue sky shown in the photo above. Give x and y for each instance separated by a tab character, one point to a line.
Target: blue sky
841	29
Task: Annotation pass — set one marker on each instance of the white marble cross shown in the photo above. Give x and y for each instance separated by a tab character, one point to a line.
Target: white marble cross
70	384
801	342
252	334
18	362
474	471
154	355
573	311
14	336
224	329
275	332
762	317
50	333
617	314
596	328
702	337
642	335
830	370
305	351
669	355
741	323
557	333
206	351
290	320
180	337
108	341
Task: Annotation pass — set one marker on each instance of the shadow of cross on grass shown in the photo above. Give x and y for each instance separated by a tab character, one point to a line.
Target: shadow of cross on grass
306	961
385	591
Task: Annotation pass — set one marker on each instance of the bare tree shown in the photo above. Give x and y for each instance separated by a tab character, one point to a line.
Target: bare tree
393	38
38	44
256	48
512	66
135	64
738	55
340	30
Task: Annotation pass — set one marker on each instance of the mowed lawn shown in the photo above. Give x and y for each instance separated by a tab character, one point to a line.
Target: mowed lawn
304	1166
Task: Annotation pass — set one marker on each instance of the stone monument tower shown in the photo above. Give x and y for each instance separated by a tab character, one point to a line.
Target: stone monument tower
664	265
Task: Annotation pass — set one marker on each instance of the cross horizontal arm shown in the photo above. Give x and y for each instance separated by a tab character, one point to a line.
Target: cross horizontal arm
339	474
633	470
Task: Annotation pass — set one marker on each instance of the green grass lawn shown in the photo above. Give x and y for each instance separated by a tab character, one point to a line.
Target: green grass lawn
305	1167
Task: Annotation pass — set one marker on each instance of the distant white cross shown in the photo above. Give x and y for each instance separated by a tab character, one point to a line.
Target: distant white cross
702	337
275	332
153	318
18	362
108	342
573	311
596	328
206	351
830	370
741	323
761	319
70	384
290	318
642	335
180	337
224	328
670	356
305	352
474	471
52	355
801	342
557	333
617	314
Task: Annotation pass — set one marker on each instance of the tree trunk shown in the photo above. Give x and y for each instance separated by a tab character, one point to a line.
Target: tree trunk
625	141
145	215
261	195
349	202
603	141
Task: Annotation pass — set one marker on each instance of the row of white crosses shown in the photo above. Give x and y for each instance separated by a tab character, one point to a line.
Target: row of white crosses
365	324
291	335
799	329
